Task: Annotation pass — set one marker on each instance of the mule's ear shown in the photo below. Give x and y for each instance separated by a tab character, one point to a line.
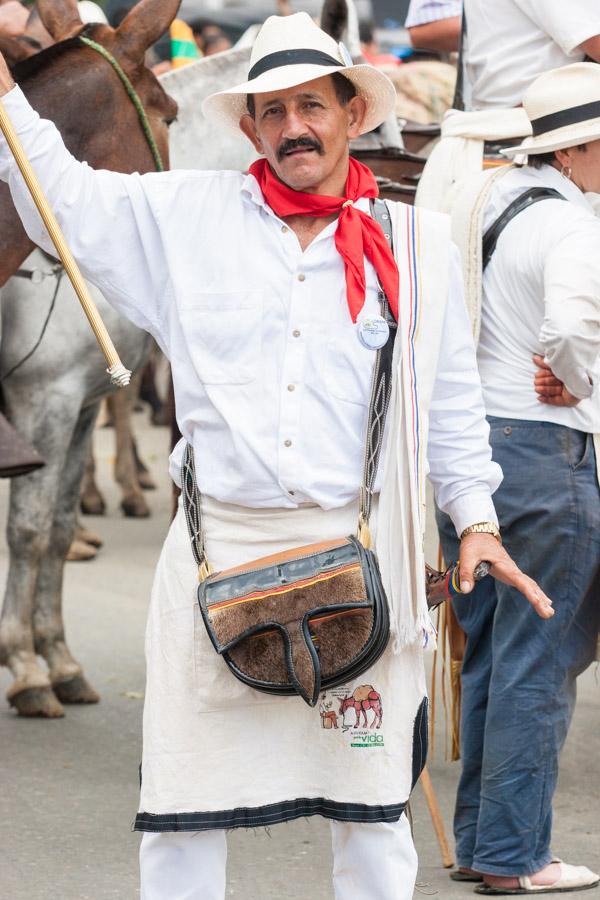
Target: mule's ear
334	18
60	17
146	22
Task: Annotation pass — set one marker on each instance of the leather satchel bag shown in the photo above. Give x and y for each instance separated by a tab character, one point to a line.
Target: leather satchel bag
310	618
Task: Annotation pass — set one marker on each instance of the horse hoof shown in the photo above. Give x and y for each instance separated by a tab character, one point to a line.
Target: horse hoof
87	536
146	481
135	507
92	505
75	690
40	702
80	551
161	417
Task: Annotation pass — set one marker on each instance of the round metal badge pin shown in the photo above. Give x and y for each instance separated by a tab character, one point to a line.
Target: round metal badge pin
373	332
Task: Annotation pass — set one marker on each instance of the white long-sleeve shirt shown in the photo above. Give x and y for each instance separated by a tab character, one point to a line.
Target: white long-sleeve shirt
541	294
271	383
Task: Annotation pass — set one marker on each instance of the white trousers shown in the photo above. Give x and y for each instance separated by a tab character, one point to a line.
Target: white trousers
370	862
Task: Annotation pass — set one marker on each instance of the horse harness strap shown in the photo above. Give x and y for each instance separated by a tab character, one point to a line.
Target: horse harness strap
133	96
36	276
522	202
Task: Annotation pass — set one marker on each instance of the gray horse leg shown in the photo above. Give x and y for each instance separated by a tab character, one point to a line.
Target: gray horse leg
66	674
91	500
32	500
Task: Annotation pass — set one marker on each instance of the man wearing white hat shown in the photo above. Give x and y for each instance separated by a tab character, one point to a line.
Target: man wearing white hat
539	358
267	293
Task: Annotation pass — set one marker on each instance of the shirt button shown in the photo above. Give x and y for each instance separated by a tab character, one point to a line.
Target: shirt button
296	333
287	443
284	229
301	277
291	493
291	387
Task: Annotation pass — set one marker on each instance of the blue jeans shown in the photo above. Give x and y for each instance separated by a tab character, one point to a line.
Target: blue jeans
519	671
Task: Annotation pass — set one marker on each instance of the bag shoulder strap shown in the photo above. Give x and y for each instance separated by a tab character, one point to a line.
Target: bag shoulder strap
522	202
381	386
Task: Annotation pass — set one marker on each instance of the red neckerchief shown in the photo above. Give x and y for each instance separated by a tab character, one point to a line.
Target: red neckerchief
357	234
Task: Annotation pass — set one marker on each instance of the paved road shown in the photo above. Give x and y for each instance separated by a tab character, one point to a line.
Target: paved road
68	788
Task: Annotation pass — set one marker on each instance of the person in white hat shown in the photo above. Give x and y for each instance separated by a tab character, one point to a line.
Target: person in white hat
539	360
266	291
504	47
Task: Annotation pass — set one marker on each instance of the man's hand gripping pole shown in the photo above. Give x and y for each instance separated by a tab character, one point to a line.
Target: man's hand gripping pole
119	375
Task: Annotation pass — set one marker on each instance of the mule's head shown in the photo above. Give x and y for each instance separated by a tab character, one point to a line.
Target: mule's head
93	88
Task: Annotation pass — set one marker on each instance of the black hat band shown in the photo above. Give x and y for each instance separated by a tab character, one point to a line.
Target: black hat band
292	58
566	117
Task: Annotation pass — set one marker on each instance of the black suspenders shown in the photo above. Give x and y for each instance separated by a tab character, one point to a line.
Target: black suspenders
523	201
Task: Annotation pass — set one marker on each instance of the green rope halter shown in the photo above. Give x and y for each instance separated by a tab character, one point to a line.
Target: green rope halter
133	96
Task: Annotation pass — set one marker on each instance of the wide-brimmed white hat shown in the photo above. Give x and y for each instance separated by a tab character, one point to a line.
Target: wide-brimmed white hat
291	50
563	106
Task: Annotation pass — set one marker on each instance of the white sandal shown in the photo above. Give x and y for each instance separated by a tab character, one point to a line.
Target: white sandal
572	878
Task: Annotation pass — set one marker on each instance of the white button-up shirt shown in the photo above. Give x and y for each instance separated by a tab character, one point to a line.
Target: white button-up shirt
510	42
421	12
271	383
541	294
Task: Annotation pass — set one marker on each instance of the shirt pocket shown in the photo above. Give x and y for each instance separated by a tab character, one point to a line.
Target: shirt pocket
349	369
222	331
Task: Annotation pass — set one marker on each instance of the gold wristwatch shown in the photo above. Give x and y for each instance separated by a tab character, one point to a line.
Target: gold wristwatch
483	528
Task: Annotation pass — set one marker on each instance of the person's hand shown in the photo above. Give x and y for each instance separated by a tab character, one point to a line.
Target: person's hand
549	388
13	18
475	548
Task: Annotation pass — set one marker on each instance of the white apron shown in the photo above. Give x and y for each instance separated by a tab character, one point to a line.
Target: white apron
218	754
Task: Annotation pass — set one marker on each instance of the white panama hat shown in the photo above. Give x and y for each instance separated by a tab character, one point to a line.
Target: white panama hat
291	50
563	106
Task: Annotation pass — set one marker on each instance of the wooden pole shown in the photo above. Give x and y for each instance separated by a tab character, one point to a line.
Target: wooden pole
117	371
436	819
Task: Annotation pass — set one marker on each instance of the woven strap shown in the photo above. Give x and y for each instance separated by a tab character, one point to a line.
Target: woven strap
380	399
133	96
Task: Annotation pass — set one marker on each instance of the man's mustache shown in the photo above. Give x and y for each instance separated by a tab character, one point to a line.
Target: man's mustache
292	144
